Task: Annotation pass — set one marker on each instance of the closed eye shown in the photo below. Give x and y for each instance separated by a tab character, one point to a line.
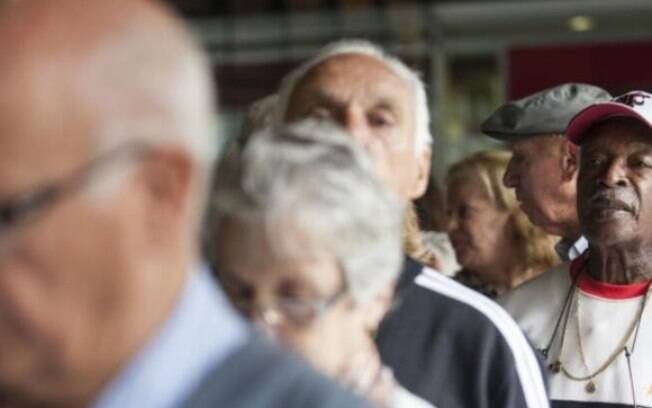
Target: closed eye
593	161
641	162
381	119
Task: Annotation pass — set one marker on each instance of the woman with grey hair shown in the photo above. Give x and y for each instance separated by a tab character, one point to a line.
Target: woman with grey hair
308	245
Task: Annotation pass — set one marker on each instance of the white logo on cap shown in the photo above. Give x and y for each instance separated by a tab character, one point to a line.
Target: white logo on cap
633	98
635	104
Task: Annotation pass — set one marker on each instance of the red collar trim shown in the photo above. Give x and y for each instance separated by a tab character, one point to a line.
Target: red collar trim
589	285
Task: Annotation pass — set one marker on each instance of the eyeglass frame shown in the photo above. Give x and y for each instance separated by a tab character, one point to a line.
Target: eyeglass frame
23	207
279	311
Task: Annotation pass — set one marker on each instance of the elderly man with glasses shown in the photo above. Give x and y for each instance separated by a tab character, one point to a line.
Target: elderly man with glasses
593	320
106	147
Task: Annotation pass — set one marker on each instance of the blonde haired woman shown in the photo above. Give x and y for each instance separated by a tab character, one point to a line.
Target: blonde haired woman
495	243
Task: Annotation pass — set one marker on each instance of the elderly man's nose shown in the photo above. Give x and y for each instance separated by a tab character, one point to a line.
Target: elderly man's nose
451	222
615	174
355	122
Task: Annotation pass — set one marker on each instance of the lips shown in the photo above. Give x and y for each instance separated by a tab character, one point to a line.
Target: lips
606	205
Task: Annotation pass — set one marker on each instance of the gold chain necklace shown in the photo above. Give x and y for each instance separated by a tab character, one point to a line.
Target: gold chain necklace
590	386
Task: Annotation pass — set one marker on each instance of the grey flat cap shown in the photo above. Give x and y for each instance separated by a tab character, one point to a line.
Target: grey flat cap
545	112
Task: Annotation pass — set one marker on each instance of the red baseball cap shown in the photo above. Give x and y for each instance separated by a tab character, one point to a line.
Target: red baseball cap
635	104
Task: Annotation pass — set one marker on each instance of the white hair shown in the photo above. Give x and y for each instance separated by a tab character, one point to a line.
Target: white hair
312	191
170	104
423	137
158	94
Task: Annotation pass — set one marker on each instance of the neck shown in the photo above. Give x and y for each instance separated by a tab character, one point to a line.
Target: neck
139	317
620	265
571	231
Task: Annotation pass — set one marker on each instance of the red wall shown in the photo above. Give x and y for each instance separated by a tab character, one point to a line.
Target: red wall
240	85
616	67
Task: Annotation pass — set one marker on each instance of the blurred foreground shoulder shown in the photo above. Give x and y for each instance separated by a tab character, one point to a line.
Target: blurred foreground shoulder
259	375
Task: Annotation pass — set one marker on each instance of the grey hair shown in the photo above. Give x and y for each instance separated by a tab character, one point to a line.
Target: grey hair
423	137
162	106
312	178
260	115
158	94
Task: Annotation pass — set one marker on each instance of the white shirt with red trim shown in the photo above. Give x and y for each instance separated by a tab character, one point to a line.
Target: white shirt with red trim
606	313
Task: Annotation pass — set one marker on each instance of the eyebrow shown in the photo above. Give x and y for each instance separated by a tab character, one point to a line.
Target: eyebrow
319	95
386	103
642	152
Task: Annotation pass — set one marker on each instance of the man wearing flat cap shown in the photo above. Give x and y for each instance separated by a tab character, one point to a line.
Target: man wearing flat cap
593	320
544	165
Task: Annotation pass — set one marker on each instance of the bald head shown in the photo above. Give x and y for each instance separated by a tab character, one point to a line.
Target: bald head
90	89
122	69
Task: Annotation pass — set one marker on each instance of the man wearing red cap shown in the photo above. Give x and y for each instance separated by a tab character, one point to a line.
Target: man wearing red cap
592	323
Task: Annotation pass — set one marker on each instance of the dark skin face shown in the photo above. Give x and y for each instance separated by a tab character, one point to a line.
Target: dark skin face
615	200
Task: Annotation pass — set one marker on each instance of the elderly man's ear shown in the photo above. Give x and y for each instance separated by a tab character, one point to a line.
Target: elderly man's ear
423	173
570	159
167	175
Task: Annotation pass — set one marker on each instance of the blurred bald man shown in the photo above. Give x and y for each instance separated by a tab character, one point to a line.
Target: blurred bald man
105	151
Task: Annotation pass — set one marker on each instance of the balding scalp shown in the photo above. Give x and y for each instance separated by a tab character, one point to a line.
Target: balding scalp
130	66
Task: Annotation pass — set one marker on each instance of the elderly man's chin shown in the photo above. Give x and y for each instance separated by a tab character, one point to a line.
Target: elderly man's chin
30	384
15	383
24	373
607	226
533	211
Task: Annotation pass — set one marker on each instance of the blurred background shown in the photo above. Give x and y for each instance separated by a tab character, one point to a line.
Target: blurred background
473	55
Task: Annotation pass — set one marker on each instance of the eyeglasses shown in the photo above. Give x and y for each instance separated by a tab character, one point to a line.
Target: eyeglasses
282	310
24	207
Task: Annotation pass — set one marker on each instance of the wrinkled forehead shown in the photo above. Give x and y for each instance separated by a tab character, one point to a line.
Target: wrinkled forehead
618	136
42	131
536	143
346	76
